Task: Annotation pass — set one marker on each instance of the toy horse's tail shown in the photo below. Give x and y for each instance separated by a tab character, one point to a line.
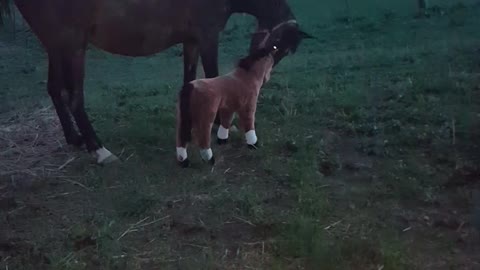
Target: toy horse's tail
185	114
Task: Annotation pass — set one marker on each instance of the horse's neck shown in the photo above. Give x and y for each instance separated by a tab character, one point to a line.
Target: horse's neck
268	12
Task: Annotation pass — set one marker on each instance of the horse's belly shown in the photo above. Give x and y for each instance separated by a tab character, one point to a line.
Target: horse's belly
138	28
141	41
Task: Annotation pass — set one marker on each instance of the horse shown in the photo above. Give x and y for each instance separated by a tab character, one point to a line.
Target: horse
200	100
139	28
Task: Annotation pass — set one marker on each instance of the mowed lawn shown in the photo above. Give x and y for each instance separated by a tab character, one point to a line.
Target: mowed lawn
369	157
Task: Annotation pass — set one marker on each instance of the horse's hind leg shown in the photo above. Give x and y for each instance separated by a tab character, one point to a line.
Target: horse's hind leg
190	61
55	86
74	68
226	118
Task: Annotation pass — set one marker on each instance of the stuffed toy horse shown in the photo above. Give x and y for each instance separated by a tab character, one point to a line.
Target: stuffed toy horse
235	92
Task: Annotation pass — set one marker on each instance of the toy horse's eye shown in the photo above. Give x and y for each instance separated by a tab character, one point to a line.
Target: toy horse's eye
275	48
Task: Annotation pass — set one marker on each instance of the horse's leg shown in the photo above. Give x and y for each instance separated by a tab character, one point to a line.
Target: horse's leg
209	53
74	68
55	86
247	122
190	61
226	117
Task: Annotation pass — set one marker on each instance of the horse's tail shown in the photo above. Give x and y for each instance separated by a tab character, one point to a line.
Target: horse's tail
185	129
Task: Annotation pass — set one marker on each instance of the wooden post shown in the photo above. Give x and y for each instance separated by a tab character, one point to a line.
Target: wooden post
14	18
422	8
347	10
4	10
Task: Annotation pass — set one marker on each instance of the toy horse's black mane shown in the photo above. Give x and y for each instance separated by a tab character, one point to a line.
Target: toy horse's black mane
247	62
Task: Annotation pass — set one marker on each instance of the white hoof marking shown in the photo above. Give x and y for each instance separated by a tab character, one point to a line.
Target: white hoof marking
181	154
222	133
110	159
104	156
206	154
251	137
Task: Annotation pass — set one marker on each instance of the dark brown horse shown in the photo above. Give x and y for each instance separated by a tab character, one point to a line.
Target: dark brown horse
140	28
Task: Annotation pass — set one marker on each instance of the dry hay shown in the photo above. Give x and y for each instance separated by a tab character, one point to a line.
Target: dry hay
9	50
31	145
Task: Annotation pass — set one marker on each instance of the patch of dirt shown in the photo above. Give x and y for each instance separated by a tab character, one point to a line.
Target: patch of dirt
11	49
12	248
36	188
32	148
342	156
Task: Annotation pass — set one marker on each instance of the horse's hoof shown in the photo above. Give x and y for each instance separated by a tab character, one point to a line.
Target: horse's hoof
109	160
185	163
253	146
222	141
104	156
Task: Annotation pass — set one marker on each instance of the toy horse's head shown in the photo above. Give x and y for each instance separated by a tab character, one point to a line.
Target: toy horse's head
260	62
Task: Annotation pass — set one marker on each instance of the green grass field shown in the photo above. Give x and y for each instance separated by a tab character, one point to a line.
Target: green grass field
369	157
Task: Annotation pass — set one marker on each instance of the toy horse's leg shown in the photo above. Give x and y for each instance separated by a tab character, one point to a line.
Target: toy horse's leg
204	130
204	143
226	118
182	156
247	122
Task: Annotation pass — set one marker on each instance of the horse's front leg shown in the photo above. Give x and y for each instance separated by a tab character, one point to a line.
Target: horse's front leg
55	86
247	122
74	73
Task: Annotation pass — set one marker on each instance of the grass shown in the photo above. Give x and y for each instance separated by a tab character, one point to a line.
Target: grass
368	157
